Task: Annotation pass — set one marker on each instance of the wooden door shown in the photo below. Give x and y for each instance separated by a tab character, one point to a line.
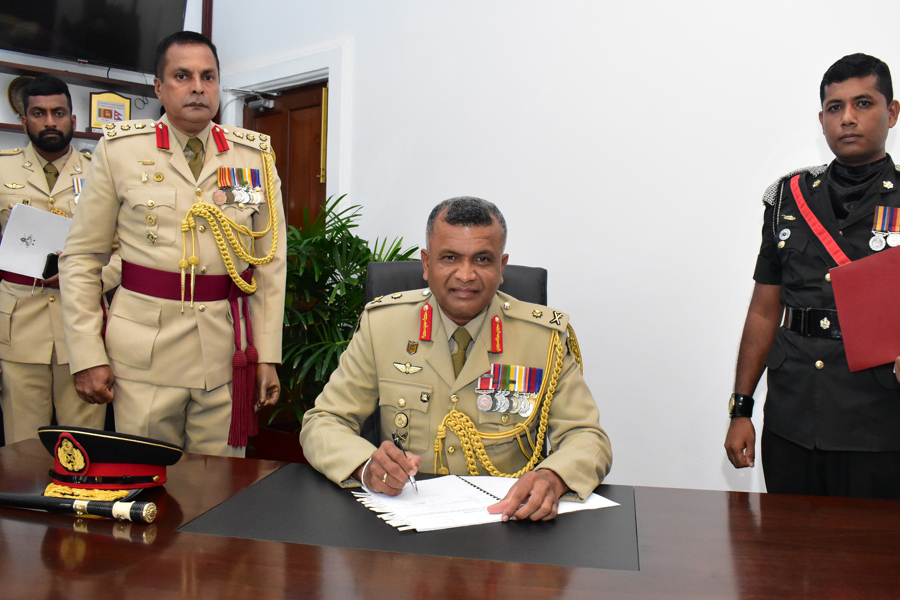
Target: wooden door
295	126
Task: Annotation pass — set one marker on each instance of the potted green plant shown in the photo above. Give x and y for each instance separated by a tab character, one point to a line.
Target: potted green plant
326	270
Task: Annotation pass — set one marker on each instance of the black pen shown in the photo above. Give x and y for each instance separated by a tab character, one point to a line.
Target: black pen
399	444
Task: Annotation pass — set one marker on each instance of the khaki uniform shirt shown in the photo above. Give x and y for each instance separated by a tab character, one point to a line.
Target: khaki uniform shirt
143	193
414	402
37	329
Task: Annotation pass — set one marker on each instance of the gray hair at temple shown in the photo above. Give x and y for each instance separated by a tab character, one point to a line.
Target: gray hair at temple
465	211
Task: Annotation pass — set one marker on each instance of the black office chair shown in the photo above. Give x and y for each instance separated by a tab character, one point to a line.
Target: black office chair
383	278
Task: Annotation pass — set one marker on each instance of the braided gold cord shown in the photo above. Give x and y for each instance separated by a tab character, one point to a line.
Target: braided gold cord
574	347
471	439
224	229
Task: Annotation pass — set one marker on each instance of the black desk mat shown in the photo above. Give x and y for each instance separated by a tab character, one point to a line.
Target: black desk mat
298	505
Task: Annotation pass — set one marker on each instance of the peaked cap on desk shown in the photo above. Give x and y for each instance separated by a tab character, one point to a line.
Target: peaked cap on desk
104	465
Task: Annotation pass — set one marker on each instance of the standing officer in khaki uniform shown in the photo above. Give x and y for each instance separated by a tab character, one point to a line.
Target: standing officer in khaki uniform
472	380
194	331
47	174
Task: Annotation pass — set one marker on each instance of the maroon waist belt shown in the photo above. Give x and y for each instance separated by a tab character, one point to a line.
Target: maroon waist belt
19	279
167	285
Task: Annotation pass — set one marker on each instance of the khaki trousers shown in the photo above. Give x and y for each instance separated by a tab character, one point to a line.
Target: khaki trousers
195	419
31	392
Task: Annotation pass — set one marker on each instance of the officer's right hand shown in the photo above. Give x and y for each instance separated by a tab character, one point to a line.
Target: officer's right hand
95	385
740	442
390	469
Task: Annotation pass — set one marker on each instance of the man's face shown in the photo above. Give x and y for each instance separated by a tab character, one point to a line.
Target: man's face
855	119
49	123
464	267
189	89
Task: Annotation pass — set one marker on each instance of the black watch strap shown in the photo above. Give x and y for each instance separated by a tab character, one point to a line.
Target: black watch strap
740	405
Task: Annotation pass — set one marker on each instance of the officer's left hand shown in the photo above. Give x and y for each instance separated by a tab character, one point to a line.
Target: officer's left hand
268	386
897	368
535	496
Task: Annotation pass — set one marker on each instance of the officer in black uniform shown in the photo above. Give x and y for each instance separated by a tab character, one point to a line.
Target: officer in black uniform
827	431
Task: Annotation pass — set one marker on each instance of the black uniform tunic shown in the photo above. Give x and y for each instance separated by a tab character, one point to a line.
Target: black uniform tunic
827	408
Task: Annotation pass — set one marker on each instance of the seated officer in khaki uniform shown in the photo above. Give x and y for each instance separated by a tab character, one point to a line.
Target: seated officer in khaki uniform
472	381
194	331
48	175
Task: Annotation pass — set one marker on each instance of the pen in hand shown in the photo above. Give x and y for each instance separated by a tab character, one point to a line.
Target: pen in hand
399	445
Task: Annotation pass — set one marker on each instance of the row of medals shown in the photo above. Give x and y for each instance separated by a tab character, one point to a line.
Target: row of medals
239	195
504	401
880	239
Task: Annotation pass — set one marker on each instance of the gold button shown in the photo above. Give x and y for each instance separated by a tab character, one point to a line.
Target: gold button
52	299
151	219
202	307
827	276
199	191
202	228
820	365
158	177
151	203
401	420
51	200
504	419
781	244
151	237
10	206
454	398
451	449
401	402
203	270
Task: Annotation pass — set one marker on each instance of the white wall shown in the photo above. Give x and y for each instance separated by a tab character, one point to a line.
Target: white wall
628	145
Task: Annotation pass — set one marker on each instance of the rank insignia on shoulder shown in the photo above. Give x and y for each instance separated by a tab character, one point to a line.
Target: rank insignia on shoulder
888	185
557	316
11	151
407	368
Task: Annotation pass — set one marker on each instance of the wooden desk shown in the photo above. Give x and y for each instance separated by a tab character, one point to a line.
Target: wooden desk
693	544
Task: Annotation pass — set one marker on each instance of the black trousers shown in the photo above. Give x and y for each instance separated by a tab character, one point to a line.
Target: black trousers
792	469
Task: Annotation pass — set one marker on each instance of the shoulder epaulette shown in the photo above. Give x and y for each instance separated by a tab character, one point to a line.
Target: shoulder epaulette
121	129
534	313
769	196
12	151
408	297
246	137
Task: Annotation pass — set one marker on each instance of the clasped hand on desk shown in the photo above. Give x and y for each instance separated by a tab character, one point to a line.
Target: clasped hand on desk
535	496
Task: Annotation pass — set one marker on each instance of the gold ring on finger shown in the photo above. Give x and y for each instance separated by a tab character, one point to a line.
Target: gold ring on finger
384	478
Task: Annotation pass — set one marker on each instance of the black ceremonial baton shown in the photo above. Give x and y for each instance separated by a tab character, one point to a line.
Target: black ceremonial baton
123	510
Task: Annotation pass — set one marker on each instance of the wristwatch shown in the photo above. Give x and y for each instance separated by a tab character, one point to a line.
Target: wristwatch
740	405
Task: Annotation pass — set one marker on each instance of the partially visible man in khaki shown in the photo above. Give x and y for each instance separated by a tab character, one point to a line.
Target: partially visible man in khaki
473	381
47	174
194	331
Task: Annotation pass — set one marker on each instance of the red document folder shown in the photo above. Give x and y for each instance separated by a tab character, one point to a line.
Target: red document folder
867	294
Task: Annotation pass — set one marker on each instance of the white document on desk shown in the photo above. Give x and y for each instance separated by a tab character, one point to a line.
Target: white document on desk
453	501
29	236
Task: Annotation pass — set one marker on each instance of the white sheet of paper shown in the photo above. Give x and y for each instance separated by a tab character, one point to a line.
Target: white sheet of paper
447	502
29	236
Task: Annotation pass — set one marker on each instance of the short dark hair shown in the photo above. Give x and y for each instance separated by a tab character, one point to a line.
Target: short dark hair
181	37
858	65
466	211
45	85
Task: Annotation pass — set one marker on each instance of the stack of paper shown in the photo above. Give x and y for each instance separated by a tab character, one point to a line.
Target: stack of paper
452	501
